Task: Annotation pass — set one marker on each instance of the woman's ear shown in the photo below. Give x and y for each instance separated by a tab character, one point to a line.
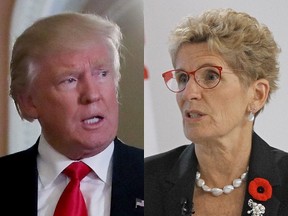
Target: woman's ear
261	90
26	107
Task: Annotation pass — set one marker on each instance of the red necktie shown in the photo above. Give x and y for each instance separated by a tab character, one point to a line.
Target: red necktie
71	202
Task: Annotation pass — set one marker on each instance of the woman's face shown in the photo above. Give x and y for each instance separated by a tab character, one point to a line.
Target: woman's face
211	114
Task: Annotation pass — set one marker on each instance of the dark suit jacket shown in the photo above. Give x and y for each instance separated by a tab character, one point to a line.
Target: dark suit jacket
170	179
19	180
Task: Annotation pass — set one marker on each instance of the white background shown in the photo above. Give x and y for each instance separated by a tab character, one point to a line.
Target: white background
160	17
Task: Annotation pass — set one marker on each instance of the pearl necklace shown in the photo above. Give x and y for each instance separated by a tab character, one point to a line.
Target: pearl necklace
218	191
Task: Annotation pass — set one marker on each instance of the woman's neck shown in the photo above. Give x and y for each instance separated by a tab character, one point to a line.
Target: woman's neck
222	160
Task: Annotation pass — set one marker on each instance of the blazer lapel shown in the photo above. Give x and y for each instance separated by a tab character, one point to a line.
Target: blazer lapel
262	165
179	186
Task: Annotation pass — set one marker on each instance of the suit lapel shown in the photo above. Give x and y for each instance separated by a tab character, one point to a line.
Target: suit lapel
124	190
179	186
262	165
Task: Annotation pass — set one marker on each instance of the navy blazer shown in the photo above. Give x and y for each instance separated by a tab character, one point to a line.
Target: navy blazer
19	181
170	179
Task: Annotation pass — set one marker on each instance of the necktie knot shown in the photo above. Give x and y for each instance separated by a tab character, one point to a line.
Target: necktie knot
77	170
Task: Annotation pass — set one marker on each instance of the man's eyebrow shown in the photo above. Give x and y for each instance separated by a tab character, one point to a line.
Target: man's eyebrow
67	72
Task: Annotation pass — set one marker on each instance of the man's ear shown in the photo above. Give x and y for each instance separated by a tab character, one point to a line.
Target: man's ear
261	90
26	107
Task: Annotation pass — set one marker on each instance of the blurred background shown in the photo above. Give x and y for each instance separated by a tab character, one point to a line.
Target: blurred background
163	122
17	15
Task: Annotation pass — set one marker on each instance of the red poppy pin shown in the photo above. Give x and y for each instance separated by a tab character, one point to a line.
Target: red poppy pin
261	190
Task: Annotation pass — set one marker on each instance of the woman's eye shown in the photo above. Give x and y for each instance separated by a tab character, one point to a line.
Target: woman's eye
182	78
211	76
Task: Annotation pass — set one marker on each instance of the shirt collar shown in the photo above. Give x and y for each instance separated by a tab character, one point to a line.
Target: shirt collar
51	163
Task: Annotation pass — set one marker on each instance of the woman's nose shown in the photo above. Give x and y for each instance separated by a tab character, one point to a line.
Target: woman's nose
192	90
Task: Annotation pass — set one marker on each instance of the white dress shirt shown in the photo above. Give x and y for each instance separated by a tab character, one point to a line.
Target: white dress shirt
96	186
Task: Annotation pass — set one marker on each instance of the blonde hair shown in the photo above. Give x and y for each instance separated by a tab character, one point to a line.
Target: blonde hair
245	44
55	33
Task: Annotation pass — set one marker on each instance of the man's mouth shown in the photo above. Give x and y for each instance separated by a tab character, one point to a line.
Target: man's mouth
93	120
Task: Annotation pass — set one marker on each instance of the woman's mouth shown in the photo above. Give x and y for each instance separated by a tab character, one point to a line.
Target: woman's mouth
194	115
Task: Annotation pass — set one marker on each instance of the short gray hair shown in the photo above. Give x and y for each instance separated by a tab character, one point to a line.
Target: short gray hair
239	38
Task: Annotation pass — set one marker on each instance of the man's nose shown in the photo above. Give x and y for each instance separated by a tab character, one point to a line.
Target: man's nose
89	91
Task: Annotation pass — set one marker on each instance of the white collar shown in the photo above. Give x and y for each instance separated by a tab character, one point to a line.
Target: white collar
51	163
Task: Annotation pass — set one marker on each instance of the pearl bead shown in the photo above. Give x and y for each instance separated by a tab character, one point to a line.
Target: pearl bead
200	182
237	183
206	188
244	176
228	189
216	191
197	175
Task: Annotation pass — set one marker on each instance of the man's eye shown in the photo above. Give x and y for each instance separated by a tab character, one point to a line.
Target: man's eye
70	80
103	73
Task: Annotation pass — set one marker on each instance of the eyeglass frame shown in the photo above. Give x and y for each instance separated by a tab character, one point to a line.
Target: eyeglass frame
219	68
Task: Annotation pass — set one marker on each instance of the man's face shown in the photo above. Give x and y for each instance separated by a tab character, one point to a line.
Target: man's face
74	98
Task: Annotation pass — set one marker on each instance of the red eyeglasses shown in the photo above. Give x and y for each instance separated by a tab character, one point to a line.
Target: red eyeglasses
207	77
